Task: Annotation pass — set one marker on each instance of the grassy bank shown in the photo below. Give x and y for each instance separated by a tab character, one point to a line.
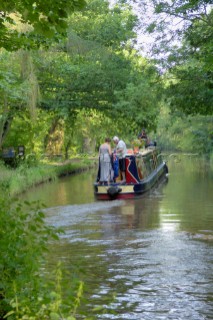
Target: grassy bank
16	181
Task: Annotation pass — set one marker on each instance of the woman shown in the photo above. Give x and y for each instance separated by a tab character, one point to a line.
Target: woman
105	162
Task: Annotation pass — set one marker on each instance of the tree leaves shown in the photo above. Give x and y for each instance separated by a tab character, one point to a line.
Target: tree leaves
182	47
101	67
46	19
192	91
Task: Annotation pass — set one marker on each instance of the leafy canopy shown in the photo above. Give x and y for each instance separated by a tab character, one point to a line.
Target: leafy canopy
98	69
40	20
192	90
182	46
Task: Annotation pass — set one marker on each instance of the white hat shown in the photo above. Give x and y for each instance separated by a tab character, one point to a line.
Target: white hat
115	138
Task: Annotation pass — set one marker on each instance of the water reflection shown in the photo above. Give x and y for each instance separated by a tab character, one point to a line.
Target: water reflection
150	258
68	190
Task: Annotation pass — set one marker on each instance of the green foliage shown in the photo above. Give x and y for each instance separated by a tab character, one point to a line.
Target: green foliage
101	70
12	90
94	81
25	176
199	36
28	132
95	70
185	134
110	27
192	90
26	292
15	92
42	19
170	20
29	174
138	106
23	238
182	44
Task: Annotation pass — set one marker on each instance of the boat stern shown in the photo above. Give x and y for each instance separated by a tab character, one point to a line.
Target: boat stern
113	191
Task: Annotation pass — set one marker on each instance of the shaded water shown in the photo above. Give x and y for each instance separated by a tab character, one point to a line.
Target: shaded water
149	258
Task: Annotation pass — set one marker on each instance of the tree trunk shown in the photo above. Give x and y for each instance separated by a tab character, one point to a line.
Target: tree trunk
5	124
88	145
66	149
55	138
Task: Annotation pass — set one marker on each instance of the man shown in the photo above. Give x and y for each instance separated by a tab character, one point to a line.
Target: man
143	136
121	152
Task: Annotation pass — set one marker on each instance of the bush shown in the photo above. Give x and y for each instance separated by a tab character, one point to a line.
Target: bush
24	291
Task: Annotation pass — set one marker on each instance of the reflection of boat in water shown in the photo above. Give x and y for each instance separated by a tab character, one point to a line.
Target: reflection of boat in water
143	170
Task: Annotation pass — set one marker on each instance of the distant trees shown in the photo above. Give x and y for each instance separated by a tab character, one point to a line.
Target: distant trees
94	69
99	69
87	64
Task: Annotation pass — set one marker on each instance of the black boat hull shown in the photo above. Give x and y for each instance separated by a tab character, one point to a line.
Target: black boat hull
130	190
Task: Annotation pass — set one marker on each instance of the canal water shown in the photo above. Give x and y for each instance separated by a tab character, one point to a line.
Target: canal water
144	259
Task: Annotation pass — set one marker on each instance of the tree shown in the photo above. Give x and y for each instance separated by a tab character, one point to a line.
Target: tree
12	93
199	37
97	70
109	27
98	66
26	24
139	102
182	47
192	89
168	21
42	19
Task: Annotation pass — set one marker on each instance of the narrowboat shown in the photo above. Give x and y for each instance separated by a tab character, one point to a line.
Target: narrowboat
143	170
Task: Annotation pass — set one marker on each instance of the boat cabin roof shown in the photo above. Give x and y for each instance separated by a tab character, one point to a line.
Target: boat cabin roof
142	153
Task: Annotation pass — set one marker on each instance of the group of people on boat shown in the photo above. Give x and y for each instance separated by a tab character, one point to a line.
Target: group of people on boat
112	162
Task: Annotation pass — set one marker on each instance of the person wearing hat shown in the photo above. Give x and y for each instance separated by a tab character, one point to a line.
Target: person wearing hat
121	153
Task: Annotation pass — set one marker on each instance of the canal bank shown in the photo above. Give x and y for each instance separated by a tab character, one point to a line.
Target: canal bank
18	180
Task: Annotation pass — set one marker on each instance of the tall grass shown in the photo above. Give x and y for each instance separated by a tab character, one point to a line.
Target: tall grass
15	181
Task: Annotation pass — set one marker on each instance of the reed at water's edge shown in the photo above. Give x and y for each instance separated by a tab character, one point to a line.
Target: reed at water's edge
20	179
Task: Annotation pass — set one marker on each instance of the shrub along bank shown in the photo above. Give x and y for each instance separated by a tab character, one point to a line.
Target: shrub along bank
26	292
15	181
